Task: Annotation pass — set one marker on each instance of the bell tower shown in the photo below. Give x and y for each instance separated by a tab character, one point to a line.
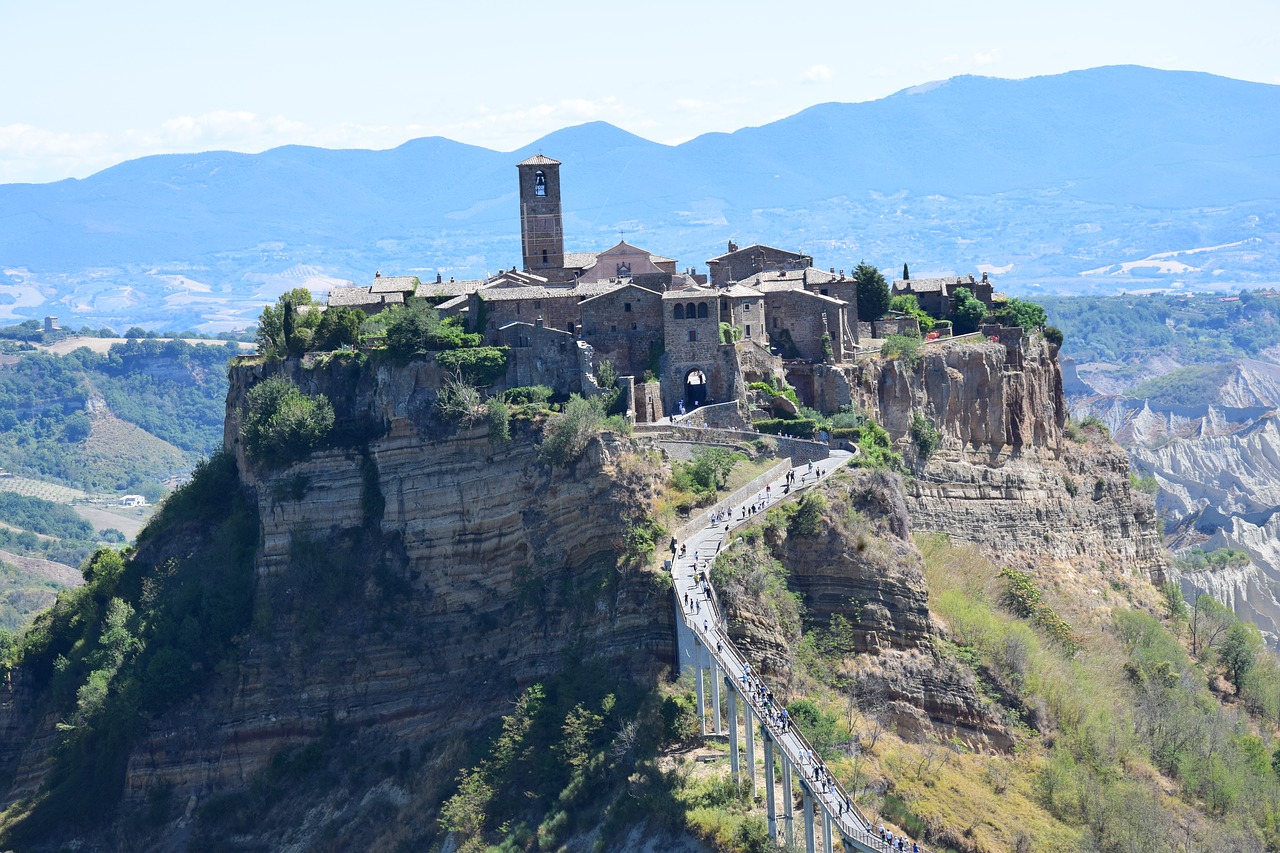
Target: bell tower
541	231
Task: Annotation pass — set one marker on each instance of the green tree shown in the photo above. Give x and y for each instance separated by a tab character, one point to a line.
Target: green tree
968	312
281	424
338	327
280	330
873	292
565	437
909	305
1239	652
906	274
925	436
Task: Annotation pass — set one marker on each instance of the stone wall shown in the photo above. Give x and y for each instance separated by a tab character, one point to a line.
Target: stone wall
624	326
543	356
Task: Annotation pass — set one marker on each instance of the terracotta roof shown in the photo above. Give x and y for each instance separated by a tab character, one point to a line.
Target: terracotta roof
394	284
539	160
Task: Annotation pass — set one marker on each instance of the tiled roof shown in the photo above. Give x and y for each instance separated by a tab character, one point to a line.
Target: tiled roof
924	285
694	292
789	279
539	160
453	287
350	296
510	292
452	303
394	284
741	290
755	246
579	260
624	286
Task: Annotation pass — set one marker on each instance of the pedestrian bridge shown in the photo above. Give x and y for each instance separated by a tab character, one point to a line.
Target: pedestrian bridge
827	810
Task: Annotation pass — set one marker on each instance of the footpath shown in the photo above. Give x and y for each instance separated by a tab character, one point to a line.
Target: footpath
702	630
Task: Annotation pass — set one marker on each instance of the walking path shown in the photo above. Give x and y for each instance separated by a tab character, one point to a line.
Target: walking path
702	630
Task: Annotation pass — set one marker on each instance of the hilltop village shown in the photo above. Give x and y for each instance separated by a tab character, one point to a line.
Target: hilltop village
678	338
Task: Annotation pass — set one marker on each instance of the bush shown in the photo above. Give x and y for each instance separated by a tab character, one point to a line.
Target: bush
905	347
281	424
528	395
479	365
797	427
1054	335
566	436
968	312
925	436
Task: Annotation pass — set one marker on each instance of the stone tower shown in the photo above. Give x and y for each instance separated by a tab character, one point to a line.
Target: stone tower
541	231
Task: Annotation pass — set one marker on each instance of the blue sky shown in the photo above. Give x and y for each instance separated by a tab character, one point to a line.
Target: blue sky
89	84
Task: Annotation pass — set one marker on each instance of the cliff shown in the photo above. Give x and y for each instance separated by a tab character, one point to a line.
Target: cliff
407	586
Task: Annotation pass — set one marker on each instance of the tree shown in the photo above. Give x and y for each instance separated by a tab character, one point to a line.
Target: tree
968	312
281	424
281	331
909	305
1239	652
338	327
906	274
873	292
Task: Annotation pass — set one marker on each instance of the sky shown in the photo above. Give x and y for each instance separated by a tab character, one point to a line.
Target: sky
88	84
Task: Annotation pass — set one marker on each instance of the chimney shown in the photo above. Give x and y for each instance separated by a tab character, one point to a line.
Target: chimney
378	274
733	247
984	278
538	322
833	270
439	278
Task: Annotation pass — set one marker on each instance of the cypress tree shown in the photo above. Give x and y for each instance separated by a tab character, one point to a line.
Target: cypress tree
906	275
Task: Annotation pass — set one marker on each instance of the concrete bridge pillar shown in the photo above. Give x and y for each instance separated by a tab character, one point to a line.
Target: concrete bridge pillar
733	735
715	695
699	653
826	830
788	802
808	817
751	745
771	806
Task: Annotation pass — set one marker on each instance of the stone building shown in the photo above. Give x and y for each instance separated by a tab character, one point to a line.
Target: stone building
937	296
625	325
541	221
738	264
565	313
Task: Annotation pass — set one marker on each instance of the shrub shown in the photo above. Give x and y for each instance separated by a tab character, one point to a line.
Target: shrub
925	436
797	427
534	395
968	312
281	424
566	436
905	347
478	365
1053	335
499	415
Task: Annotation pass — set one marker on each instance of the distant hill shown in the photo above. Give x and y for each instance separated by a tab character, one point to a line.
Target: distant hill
1092	180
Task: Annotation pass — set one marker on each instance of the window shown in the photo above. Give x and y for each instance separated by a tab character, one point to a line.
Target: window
702	310
626	306
679	315
693	335
539	183
517	308
724	305
633	327
544	256
775	322
691	311
571	328
748	330
746	307
613	328
537	303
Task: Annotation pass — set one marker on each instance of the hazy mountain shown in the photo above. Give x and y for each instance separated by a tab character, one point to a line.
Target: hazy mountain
1042	179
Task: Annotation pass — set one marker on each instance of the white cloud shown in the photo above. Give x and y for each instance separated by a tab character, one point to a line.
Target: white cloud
817	74
986	57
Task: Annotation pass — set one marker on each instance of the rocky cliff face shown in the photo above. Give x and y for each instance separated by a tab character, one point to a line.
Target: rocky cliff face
1005	476
409	585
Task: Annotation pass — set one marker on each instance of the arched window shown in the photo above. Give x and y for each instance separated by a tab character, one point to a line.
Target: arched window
539	183
691	311
702	310
679	311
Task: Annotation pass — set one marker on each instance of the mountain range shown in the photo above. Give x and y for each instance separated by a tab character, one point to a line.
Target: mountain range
1091	181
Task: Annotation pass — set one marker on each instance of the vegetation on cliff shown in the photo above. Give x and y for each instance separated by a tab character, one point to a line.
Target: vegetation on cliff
143	633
